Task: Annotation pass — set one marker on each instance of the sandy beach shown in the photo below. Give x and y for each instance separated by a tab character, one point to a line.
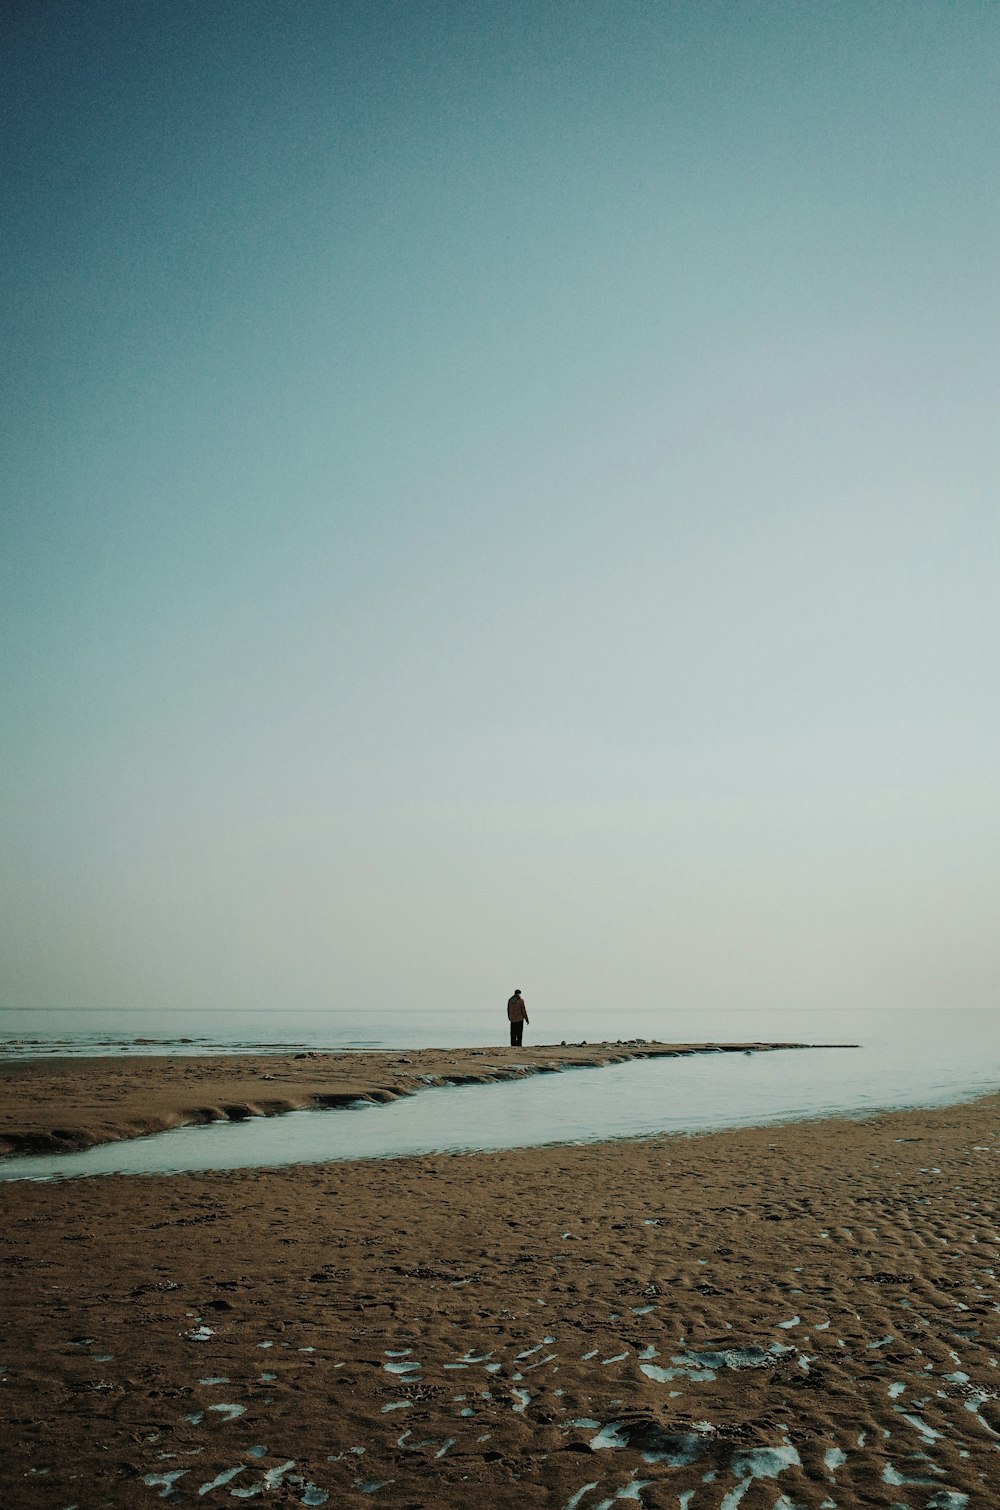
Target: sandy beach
804	1315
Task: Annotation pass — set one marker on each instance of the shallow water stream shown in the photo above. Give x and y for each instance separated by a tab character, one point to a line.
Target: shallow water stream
640	1098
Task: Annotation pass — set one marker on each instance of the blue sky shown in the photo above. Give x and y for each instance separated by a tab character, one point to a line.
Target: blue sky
500	494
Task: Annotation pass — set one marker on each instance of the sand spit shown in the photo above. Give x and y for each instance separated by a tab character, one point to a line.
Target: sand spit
795	1316
57	1105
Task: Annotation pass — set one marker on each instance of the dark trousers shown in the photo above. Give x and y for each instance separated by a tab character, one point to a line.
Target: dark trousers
516	1031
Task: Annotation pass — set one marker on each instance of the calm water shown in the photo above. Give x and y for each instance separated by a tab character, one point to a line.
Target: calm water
903	1059
93	1031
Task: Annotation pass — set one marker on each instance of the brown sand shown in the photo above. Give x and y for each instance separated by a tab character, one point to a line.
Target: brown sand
156	1332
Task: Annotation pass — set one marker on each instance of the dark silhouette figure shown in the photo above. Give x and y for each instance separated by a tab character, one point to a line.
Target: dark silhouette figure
517	1016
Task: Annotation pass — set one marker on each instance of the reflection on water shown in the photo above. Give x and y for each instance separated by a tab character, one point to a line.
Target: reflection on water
938	1065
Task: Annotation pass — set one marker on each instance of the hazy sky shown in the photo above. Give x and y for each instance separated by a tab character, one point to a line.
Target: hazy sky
500	494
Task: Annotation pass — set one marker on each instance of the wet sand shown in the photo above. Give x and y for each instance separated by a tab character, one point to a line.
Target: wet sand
802	1315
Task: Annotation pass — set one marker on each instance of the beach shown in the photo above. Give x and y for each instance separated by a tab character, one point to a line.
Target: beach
795	1315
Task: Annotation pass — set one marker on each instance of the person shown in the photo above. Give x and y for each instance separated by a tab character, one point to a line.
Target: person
517	1016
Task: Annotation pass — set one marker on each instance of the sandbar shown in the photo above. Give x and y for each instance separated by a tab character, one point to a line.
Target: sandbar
59	1104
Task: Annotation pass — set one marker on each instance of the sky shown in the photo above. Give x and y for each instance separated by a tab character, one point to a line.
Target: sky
499	494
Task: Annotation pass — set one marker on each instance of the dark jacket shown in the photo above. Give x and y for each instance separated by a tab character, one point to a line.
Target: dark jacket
516	1011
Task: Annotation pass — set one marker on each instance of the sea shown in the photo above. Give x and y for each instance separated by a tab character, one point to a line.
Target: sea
858	1062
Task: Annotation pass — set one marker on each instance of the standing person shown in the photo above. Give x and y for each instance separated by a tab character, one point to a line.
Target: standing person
517	1016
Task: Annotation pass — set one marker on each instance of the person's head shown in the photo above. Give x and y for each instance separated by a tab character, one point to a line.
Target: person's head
517	990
